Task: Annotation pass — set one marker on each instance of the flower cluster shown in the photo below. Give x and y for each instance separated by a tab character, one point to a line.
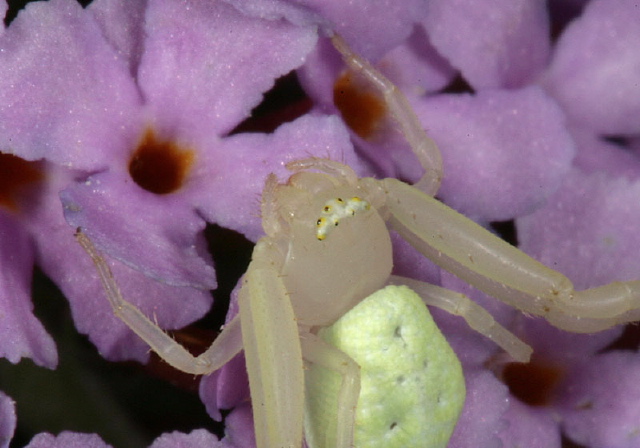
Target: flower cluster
124	119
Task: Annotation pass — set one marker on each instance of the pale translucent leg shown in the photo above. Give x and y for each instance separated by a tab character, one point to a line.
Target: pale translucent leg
476	317
270	219
225	347
402	114
477	256
317	351
272	352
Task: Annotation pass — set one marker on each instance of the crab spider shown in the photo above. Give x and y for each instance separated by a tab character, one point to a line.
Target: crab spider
327	247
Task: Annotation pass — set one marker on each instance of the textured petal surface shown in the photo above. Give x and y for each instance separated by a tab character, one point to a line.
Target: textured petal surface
65	94
372	27
122	22
486	397
561	348
415	65
496	43
592	218
504	152
69	267
158	234
530	427
597	155
196	439
239	429
601	401
206	65
7	419
3	11
233	176
21	333
67	440
596	68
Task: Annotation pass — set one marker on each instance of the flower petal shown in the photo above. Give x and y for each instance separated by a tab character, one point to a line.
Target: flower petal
497	43
600	404
21	333
240	431
206	65
7	419
158	234
63	260
122	23
63	89
587	230
372	27
481	418
196	439
597	155
67	439
504	152
234	174
596	68
530	427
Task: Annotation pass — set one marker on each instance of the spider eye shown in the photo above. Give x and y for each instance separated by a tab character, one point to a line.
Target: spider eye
335	210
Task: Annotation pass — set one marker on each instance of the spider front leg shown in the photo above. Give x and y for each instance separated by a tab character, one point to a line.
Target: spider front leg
476	317
401	113
272	352
321	354
495	267
226	346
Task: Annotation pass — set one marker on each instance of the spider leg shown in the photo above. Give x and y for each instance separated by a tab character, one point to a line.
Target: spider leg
270	220
402	114
272	352
476	317
483	260
317	351
225	347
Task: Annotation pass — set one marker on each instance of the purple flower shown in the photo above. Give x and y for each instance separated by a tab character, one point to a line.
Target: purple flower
154	136
130	113
67	440
508	150
7	420
496	43
21	333
593	74
138	140
543	135
373	27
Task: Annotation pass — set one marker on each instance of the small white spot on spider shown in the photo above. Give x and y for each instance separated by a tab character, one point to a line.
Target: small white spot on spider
336	209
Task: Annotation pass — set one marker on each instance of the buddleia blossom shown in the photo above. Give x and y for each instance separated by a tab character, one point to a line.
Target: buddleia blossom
533	129
120	119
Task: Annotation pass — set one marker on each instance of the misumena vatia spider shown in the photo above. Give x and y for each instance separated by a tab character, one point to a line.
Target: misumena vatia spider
303	277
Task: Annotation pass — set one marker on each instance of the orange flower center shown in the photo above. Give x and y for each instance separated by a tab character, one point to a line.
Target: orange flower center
16	175
160	167
361	109
532	383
